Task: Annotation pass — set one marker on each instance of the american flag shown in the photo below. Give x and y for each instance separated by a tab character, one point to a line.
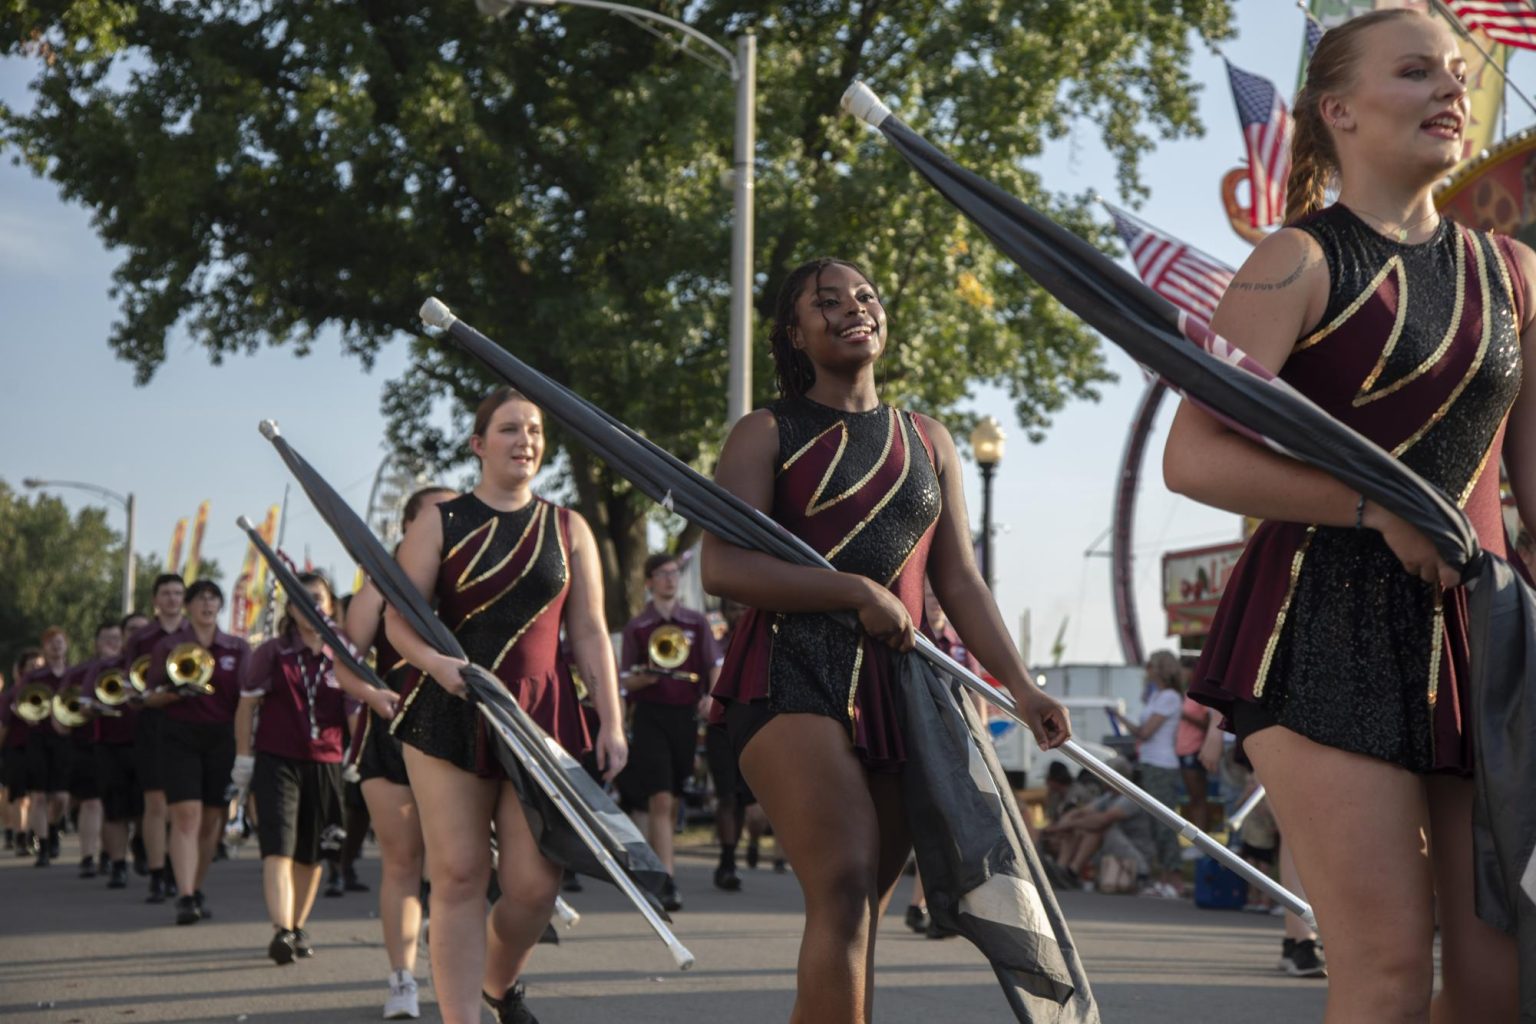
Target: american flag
1266	125
1178	272
1504	21
1315	32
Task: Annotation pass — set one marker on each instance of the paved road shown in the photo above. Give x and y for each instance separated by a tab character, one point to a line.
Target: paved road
72	952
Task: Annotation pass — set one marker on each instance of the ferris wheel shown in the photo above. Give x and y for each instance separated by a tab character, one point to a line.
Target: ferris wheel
394	483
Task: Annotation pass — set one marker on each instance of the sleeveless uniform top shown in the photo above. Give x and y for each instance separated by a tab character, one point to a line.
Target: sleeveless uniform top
862	490
1418	350
501	589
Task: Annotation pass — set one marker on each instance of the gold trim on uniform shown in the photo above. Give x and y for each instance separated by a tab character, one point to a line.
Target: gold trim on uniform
538	517
487	525
839	425
885	499
1366	396
812	508
1285	608
565	572
1393	265
462	586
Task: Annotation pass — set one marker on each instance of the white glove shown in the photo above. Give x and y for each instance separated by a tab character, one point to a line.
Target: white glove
240	774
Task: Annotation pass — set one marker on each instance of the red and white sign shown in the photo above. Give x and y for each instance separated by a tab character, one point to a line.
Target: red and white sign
1193	581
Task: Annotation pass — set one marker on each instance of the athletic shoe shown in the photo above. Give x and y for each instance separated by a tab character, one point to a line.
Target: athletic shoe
1305	961
43	859
727	879
510	1008
301	947
752	854
24	841
202	905
157	893
402	1003
87	867
119	876
281	947
917	918
186	911
671	899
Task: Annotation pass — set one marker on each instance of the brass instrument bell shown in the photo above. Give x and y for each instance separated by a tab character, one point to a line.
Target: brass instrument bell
668	647
189	666
114	688
34	703
69	708
138	673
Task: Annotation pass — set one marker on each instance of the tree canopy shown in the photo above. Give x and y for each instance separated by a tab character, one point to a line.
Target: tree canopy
278	173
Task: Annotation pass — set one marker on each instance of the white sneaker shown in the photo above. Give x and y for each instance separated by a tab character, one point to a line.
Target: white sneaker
402	1002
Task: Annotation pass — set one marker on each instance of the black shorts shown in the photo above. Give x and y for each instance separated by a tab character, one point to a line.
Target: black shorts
50	760
147	733
381	757
724	770
118	781
197	758
662	748
298	808
82	773
15	772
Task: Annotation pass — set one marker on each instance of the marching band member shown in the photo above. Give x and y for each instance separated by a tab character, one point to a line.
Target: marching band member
507	570
122	801
1339	654
198	737
168	597
48	753
664	722
386	786
808	701
295	770
14	744
83	786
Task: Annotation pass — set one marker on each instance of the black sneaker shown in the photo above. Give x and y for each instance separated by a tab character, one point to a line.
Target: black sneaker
1305	961
186	911
280	949
24	844
119	876
752	854
157	893
510	1008
917	918
202	904
727	879
671	899
572	882
88	867
43	860
301	947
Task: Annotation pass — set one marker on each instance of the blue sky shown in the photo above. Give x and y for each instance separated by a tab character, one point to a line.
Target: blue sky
71	410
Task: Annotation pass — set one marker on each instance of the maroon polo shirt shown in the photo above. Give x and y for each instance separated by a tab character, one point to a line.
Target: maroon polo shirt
114	730
144	639
230	654
703	655
303	708
18	729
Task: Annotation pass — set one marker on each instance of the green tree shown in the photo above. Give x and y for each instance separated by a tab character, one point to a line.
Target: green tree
150	566
271	169
55	570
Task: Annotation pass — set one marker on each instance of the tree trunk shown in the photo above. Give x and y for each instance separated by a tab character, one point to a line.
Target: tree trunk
618	523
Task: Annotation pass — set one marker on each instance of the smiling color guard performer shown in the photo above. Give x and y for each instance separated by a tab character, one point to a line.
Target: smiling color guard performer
385	784
507	570
1339	653
198	738
122	802
168	597
809	701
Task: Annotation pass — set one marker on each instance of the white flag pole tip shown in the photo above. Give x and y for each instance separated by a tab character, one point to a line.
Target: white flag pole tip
435	313
860	101
245	523
268	429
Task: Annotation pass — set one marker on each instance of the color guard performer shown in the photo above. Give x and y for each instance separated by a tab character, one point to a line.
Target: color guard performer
289	735
670	661
116	775
195	677
507	570
168	597
385	784
809	701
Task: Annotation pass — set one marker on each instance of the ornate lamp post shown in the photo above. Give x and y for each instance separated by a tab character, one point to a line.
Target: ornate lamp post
987	443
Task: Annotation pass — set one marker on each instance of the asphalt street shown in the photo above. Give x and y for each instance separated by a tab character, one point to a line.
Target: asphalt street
73	952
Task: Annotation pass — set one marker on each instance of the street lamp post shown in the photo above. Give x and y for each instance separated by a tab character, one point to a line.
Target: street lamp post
987	443
742	69
125	500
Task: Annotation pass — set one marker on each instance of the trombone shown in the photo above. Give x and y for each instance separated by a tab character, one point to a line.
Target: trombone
34	703
190	667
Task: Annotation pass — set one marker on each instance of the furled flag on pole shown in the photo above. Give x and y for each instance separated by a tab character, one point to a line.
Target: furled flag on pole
1266	122
178	538
1512	22
195	549
1177	271
1315	32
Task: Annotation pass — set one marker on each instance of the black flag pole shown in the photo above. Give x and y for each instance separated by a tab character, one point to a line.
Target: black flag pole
601	841
681	489
300	601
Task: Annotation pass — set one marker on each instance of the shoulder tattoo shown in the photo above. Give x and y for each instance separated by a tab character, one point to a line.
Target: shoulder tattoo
1307	259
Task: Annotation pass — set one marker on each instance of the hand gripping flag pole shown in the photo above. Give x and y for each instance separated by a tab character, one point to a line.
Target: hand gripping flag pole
574	821
1218	377
677	486
300	601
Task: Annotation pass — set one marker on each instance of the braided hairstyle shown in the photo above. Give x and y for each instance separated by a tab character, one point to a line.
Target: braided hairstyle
791	367
1314	160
